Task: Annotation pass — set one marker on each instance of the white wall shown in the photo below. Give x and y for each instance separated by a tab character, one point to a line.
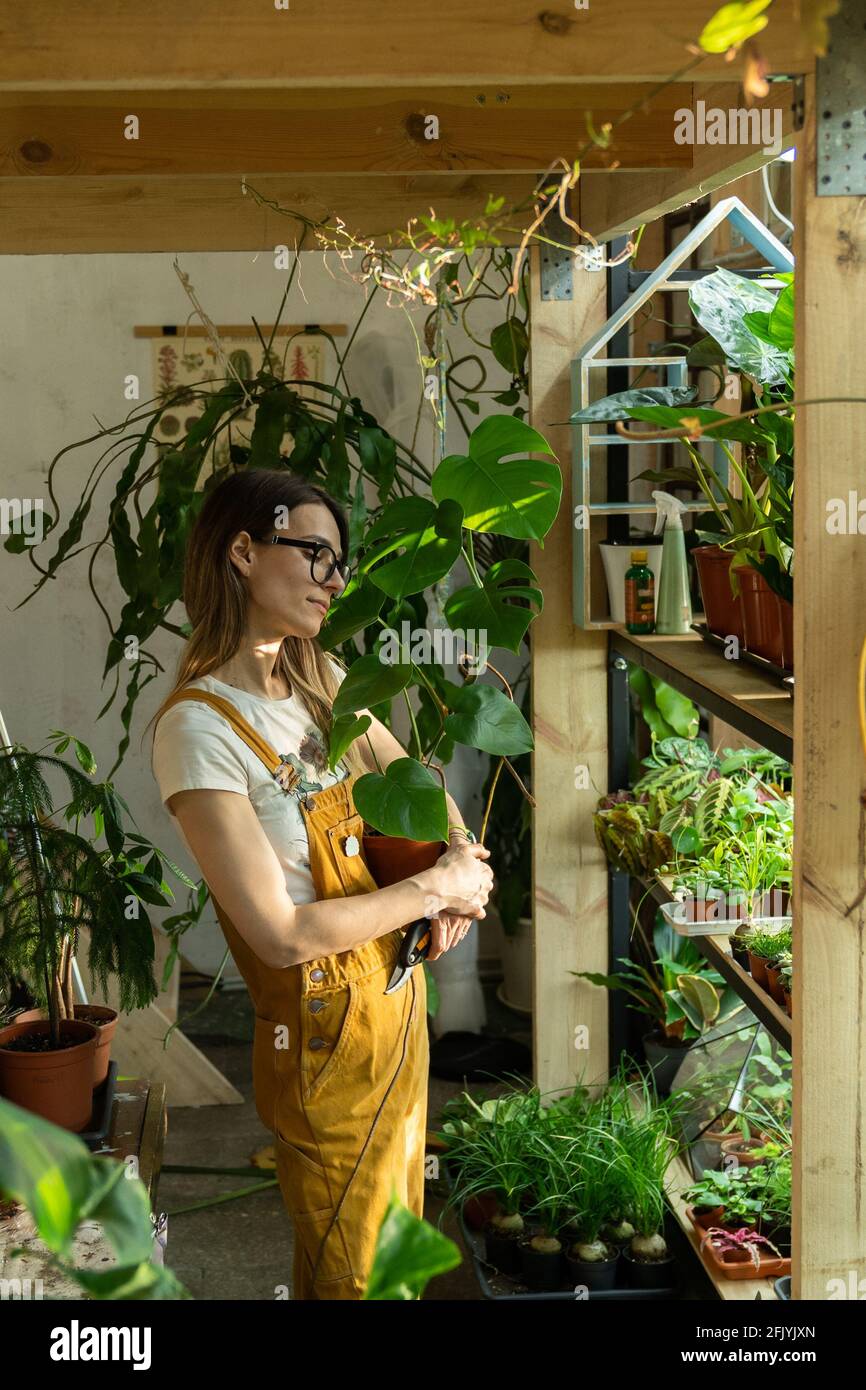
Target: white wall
67	347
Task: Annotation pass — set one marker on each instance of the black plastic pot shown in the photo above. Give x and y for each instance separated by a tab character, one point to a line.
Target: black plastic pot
593	1274
664	1059
658	1274
503	1251
783	1287
540	1270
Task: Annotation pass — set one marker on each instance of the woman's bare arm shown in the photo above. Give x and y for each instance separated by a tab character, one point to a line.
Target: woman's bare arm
244	875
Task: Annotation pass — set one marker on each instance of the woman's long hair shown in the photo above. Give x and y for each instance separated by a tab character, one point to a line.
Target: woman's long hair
215	596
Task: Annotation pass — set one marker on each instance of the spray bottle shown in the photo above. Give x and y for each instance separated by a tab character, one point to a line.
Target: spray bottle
674	611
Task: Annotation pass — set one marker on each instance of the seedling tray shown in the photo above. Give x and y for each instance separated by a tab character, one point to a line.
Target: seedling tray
768	1267
100	1120
501	1287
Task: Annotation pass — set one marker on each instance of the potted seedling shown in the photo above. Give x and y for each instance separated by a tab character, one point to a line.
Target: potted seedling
591	1259
553	1185
645	1153
486	1157
737	1247
764	949
730	1194
54	882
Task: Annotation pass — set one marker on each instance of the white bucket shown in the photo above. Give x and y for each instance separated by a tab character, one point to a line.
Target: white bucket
617	559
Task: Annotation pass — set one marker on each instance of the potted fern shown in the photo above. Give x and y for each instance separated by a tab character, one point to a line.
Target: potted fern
55	883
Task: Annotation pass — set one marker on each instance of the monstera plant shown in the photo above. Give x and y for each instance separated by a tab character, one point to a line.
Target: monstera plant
484	505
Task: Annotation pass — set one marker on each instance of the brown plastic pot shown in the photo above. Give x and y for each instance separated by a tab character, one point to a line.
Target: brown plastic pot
723	612
786	610
762	617
57	1085
390	858
774	983
788	1000
741	1150
758	970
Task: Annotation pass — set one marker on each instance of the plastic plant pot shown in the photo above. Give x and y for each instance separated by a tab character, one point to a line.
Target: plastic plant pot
664	1059
723	612
503	1250
593	1274
649	1274
542	1270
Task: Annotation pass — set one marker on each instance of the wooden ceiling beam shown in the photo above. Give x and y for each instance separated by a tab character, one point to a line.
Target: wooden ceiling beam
613	205
49	46
350	131
43	216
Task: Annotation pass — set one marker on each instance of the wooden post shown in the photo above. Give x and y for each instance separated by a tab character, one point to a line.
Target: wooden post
829	1020
569	723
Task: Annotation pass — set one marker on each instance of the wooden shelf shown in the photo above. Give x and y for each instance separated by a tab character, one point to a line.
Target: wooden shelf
746	697
715	948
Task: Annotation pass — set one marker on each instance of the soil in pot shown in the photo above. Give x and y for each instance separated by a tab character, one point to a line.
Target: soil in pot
664	1056
56	1083
723	612
502	1241
598	1272
542	1263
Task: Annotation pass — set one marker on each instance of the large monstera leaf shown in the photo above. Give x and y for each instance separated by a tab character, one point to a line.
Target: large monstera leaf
498	486
483	717
421	538
492	611
406	800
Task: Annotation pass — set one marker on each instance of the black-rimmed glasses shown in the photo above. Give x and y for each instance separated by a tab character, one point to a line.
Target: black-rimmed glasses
323	561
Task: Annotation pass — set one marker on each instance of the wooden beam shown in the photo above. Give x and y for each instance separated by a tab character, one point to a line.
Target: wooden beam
569	724
213	43
39	216
829	1020
361	131
616	204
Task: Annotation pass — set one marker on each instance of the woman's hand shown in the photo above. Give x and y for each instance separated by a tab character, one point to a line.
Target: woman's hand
448	930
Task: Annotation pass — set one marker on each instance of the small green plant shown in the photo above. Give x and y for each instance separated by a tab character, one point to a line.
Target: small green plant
409	1253
769	946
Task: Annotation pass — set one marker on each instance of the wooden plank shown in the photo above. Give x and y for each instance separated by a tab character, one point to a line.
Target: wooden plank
40	216
214	43
616	205
233	330
829	768
569	723
189	1077
351	130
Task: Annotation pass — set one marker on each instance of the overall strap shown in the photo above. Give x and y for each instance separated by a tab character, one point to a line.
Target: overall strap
250	736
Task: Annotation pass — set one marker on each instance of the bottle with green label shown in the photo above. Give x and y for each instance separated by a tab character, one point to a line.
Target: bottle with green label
639	595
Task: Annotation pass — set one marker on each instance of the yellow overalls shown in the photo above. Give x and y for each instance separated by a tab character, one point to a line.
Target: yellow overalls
339	1068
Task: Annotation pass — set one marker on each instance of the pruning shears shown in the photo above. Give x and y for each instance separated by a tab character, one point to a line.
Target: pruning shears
414	948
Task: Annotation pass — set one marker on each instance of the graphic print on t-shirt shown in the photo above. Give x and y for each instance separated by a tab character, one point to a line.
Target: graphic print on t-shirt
294	773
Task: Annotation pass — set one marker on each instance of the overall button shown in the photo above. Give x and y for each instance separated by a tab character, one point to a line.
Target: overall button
316	1044
316	1006
317	975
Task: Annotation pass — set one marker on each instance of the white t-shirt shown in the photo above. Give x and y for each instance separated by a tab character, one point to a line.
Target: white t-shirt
195	747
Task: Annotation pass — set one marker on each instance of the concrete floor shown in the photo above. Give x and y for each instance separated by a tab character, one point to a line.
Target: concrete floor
242	1249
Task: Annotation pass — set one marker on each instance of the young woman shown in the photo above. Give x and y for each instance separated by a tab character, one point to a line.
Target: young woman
240	756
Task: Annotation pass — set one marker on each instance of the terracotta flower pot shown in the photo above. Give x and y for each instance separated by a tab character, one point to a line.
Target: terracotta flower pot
103	1018
742	1151
705	1217
56	1084
762	617
758	970
723	612
390	858
774	983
